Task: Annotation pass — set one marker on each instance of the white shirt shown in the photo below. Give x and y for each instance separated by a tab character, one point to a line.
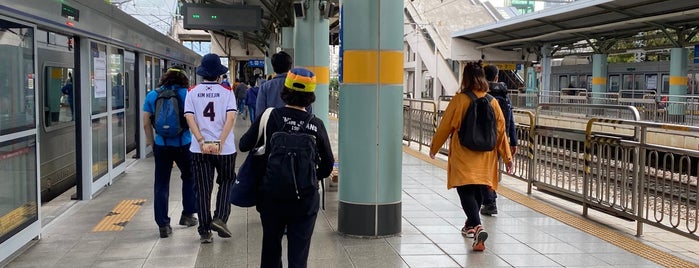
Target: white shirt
209	102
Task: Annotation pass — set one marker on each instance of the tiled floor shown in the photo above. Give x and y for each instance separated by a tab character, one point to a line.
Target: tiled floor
432	218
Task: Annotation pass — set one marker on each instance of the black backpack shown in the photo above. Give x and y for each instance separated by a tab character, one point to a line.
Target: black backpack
168	117
478	130
291	164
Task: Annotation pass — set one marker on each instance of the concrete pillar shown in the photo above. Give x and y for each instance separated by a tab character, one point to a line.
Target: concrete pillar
531	87
370	123
312	51
678	84
599	77
545	91
288	40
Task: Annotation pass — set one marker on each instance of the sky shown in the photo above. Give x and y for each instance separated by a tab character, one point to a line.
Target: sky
158	14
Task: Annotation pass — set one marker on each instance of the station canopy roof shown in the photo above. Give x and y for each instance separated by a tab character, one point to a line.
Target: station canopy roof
275	14
586	20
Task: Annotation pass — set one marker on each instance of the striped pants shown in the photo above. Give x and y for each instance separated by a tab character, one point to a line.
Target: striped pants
203	166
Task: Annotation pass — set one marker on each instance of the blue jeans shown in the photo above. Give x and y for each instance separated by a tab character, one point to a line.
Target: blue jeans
251	109
164	157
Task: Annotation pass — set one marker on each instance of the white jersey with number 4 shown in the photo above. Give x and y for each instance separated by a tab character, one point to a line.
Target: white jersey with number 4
209	102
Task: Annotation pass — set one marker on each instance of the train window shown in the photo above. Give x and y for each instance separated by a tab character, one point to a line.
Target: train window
589	83
563	82
573	81
666	84
98	72
628	82
652	82
58	95
16	78
614	83
116	73
639	82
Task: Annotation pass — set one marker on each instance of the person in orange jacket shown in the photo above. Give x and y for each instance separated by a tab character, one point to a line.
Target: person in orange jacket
471	172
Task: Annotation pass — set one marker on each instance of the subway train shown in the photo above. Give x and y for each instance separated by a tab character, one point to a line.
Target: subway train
68	56
629	80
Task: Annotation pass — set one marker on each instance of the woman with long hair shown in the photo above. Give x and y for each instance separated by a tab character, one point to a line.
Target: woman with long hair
471	172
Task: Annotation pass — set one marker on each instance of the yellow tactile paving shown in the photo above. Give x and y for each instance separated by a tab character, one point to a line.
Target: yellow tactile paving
600	231
116	219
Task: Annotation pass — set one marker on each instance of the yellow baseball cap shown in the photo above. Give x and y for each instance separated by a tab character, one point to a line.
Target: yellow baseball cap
300	79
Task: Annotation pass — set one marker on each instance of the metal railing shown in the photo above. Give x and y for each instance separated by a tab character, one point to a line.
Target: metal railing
610	166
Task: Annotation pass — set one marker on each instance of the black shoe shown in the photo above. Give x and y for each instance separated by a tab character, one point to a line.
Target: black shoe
489	209
165	231
188	220
207	238
219	226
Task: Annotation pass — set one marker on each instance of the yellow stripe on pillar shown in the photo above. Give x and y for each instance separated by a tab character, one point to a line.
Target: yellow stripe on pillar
322	74
391	67
678	80
599	80
362	67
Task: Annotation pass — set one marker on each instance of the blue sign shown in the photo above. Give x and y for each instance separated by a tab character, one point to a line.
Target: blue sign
696	53
256	63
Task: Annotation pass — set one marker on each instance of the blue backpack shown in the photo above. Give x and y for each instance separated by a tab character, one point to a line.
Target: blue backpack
168	118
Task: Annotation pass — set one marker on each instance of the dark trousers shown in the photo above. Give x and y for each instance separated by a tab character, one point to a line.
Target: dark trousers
489	196
471	200
298	217
203	166
164	157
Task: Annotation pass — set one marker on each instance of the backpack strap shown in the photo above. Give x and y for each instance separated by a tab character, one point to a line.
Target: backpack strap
262	130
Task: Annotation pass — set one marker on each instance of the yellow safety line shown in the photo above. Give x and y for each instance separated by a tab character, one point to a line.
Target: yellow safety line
118	217
598	230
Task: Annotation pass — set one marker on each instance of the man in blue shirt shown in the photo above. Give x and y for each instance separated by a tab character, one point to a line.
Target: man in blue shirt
169	150
270	92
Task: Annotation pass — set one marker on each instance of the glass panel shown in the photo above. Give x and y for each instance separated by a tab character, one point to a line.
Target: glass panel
666	84
614	83
118	140
98	72
156	71
58	95
149	74
99	147
18	207
116	73
692	87
16	77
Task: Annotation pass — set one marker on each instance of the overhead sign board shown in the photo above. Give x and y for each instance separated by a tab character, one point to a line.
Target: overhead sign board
222	17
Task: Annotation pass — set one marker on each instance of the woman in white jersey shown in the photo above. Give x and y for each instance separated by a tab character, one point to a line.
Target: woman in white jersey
210	112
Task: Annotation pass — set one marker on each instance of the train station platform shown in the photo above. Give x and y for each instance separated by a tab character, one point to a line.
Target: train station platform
534	230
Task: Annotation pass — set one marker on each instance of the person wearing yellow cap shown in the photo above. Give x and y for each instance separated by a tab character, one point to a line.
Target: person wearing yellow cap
281	209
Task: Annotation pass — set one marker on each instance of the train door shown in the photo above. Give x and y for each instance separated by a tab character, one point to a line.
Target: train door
131	102
19	189
57	135
106	129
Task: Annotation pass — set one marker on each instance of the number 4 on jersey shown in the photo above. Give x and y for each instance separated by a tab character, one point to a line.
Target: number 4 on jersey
209	111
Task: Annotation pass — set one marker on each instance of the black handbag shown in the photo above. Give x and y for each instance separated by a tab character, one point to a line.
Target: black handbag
244	192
